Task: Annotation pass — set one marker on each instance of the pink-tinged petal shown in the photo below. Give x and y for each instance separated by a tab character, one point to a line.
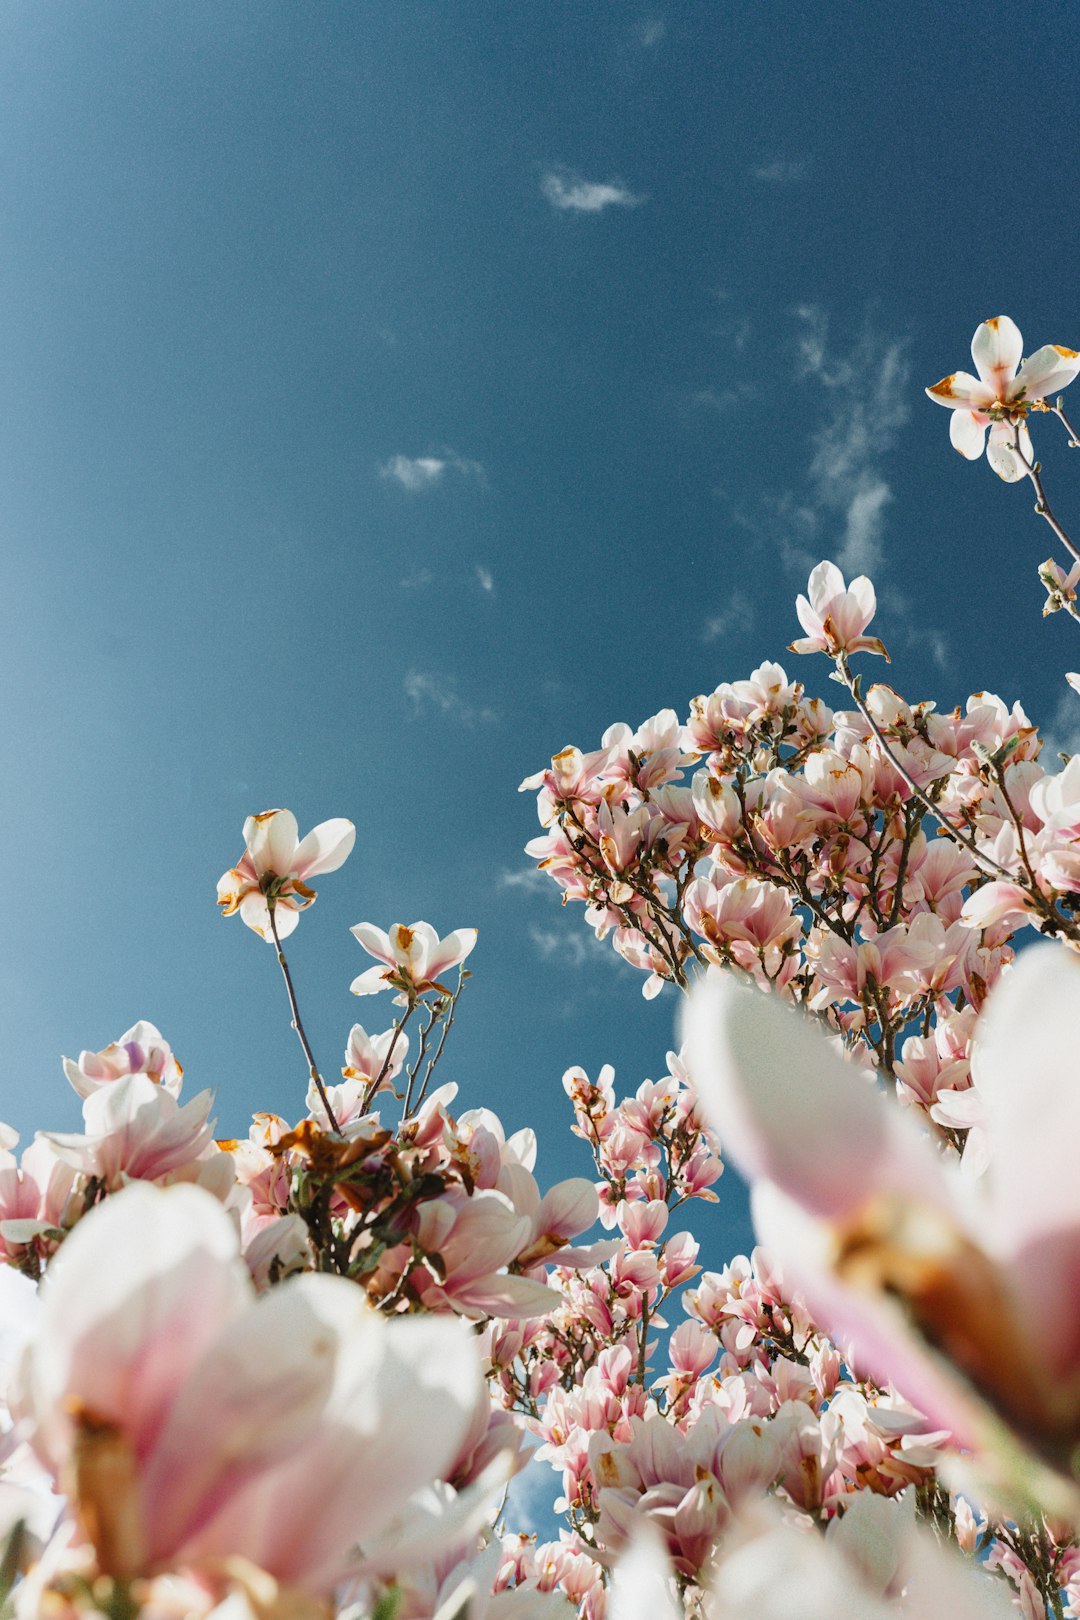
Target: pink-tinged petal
997	349
826	581
967	433
451	950
570	1207
997	902
1003	457
861	590
962	391
403	1398
375	942
1049	370
1027	1070
258	1391
325	848
515	1298
790	1110
116	1330
871	1330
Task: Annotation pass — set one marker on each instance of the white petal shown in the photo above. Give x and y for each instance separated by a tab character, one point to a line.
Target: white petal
1048	371
962	391
997	349
325	848
967	434
1002	456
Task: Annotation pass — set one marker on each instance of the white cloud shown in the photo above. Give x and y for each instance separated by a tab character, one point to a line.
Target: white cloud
530	880
561	945
737	614
422	472
651	31
439	694
781	171
862	405
414	472
1062	734
485	579
569	191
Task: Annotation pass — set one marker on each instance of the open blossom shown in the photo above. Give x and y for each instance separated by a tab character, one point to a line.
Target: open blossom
142	1049
275	867
836	614
193	1423
1001	395
413	957
961	1292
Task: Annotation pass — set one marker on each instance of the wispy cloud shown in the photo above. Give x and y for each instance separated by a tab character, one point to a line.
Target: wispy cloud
736	615
438	694
418	580
1061	735
567	947
416	473
862	405
530	882
650	31
485	579
565	190
781	171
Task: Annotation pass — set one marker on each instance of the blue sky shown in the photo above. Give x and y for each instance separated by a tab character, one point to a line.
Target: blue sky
392	393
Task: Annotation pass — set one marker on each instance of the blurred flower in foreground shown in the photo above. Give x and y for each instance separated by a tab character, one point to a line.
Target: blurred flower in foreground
275	867
191	1423
413	956
999	397
837	614
962	1293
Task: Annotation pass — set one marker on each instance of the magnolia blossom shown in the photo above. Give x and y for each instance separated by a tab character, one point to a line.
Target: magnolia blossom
961	1292
836	614
192	1423
275	867
142	1049
1001	395
413	956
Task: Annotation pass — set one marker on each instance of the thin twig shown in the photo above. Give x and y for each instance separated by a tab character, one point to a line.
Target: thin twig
313	1067
1074	438
1042	505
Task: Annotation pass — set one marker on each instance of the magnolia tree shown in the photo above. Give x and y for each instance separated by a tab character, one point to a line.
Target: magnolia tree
294	1375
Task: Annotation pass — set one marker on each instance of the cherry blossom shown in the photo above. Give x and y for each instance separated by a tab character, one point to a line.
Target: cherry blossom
1001	395
275	867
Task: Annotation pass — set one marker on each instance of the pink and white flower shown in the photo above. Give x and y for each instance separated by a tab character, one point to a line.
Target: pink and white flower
275	867
836	614
193	1423
413	957
1001	395
960	1292
142	1049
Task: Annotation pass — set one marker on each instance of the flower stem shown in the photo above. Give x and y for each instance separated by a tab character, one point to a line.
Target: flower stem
1042	505
297	1023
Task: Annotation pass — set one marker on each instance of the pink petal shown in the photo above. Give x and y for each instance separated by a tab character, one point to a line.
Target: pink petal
790	1110
117	1330
451	950
1027	1073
